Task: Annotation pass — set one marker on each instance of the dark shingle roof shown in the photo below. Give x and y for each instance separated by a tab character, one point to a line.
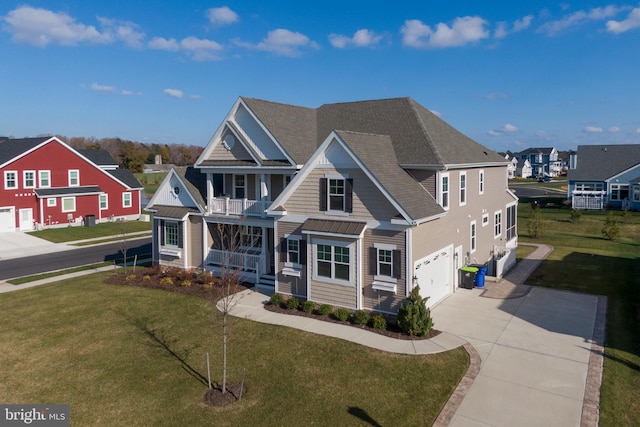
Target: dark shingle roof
125	176
67	191
99	157
196	183
174	212
601	162
535	150
11	148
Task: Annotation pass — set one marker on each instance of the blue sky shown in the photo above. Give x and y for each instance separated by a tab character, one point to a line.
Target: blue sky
510	75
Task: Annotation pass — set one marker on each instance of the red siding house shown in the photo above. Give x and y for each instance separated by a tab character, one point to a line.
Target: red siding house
46	183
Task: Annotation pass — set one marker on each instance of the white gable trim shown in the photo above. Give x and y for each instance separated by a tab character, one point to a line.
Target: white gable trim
166	182
637	166
314	161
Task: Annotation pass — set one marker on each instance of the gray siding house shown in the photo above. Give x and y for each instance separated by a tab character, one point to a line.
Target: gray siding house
351	204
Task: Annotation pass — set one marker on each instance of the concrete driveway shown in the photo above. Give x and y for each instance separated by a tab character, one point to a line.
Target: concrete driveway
535	354
18	245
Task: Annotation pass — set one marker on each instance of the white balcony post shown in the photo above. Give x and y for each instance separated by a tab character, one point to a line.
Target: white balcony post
226	205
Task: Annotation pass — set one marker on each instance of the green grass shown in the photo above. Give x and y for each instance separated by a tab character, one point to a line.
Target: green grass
105	229
131	356
150	181
584	261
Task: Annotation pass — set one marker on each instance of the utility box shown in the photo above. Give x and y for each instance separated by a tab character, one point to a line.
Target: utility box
89	220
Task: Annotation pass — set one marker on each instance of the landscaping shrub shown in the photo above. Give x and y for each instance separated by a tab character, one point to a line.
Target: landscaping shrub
342	314
308	306
361	317
575	215
131	277
186	283
611	229
378	322
414	318
293	303
536	224
276	300
146	278
166	281
325	309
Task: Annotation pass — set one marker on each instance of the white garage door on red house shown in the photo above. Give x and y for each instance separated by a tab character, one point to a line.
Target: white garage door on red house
7	219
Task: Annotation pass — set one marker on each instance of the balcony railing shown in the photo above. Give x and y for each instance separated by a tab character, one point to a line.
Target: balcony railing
227	206
593	200
235	260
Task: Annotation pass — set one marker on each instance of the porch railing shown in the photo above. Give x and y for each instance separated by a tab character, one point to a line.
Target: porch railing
227	206
235	260
593	200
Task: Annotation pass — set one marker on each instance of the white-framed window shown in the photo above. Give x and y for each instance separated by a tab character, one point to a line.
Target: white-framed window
126	200
68	204
511	222
589	186
239	186
497	224
29	179
444	191
51	202
250	236
333	262
636	193
293	252
485	219
386	264
336	194
481	181
10	180
74	178
463	188
171	234
619	191
44	179
473	236
104	201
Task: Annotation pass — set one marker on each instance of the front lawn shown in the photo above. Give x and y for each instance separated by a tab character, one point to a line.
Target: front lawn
584	261
105	229
133	356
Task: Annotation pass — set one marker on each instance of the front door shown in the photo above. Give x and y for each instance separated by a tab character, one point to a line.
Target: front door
26	219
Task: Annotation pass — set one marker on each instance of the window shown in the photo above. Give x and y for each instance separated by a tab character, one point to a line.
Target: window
636	193
44	179
29	179
68	204
472	233
126	200
10	180
287	180
251	237
619	191
51	201
497	224
511	222
463	188
385	262
74	178
171	234
444	191
333	262
104	202
481	181
485	220
239	186
589	186
336	194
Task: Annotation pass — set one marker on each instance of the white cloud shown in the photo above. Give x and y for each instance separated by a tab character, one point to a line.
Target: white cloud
201	49
160	43
361	38
494	133
40	27
580	17
437	113
614	129
637	130
124	31
282	42
465	30
507	128
176	93
518	25
632	21
102	88
126	92
195	96
592	129
220	16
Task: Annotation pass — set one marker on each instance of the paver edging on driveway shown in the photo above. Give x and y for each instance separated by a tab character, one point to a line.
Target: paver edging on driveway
591	403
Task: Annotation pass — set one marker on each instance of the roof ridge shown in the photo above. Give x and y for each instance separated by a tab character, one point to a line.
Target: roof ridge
413	105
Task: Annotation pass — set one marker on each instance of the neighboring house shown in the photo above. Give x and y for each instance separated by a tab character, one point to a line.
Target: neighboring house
524	169
351	204
603	176
512	166
544	161
47	183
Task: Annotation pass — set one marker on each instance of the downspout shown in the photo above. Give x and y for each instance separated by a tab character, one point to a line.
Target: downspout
359	274
42	213
408	263
185	251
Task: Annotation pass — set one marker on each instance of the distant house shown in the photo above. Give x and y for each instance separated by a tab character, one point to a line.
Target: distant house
544	161
524	169
512	166
350	204
47	183
604	176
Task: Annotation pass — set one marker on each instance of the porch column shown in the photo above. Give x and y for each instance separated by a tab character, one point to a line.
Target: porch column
263	250
210	192
264	194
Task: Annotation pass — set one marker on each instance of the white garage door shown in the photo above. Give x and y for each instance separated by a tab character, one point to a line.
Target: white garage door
7	219
433	275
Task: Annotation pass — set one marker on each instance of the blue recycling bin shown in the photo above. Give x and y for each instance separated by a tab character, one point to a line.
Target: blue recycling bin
480	275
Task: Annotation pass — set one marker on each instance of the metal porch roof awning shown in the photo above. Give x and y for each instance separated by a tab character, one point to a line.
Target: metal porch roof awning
348	228
67	191
173	212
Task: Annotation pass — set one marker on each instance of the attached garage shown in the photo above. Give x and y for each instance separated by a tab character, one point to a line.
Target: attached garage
433	275
7	219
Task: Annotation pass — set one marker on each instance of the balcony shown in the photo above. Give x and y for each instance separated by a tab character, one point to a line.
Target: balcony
248	264
227	206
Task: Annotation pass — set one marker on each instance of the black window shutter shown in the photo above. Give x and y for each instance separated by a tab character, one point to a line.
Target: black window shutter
283	249
348	195
303	252
161	222
373	261
180	236
397	264
323	194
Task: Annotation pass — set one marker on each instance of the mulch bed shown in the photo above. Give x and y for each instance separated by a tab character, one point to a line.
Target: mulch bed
392	331
215	397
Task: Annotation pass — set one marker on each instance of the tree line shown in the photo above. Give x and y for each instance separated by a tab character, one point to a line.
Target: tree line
134	155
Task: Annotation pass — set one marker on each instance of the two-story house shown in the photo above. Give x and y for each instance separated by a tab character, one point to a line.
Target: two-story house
47	183
543	161
351	204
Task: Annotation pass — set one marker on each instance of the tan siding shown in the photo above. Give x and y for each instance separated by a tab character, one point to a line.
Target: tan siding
382	300
286	284
368	201
238	152
195	241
